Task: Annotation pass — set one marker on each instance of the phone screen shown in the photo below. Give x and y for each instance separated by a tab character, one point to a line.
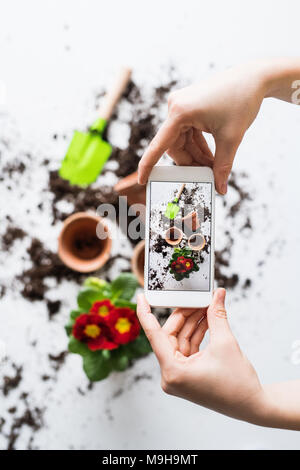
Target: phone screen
179	255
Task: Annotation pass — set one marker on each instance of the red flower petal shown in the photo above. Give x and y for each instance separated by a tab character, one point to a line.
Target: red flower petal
126	328
102	307
104	338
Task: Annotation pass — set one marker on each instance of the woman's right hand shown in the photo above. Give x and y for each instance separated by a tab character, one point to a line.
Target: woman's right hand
224	105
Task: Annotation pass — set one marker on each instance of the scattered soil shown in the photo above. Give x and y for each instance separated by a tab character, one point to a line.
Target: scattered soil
160	246
223	256
45	264
81	199
32	418
53	307
12	382
8	170
11	235
58	360
243	196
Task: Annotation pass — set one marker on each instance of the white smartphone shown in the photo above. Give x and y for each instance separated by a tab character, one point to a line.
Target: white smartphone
179	234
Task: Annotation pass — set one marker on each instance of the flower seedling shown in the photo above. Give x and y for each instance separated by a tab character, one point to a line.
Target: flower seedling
182	263
104	329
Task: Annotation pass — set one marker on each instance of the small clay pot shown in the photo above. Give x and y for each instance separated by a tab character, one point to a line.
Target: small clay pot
190	221
138	262
196	242
128	186
79	247
173	236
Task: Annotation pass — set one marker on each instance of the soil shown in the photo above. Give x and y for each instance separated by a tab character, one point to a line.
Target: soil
53	307
160	246
81	199
32	418
45	264
58	360
12	382
11	234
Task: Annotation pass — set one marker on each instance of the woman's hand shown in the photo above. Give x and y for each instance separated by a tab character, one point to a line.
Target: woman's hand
218	377
224	105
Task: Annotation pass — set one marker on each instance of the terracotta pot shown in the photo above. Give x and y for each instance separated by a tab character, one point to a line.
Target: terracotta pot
173	236
138	262
190	221
78	245
196	242
128	186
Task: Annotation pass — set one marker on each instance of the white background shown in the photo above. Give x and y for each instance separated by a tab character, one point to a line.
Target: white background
53	54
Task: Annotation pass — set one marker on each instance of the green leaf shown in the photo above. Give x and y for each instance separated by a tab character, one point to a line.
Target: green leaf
87	297
98	284
68	328
119	359
96	366
139	347
106	354
95	282
124	287
77	347
124	303
74	314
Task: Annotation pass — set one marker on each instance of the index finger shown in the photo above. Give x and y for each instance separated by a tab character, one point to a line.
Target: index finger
165	138
157	338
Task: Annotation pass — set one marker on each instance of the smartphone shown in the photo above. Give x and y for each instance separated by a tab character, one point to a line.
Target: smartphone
179	235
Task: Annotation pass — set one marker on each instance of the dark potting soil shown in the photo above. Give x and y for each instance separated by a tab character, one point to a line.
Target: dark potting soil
45	264
58	360
160	246
11	234
82	199
31	418
53	307
10	382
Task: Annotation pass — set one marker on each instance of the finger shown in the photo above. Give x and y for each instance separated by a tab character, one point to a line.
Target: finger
180	157
187	331
217	317
158	340
176	320
224	156
165	137
198	335
201	142
196	151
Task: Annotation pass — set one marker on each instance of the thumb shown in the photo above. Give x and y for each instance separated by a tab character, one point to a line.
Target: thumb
223	161
165	137
217	316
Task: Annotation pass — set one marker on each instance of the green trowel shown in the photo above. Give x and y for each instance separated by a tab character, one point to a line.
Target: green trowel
88	152
173	207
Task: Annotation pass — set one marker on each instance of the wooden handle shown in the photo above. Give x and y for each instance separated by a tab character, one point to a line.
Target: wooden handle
115	93
180	191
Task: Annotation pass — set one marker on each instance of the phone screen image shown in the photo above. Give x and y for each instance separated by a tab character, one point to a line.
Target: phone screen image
179	256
